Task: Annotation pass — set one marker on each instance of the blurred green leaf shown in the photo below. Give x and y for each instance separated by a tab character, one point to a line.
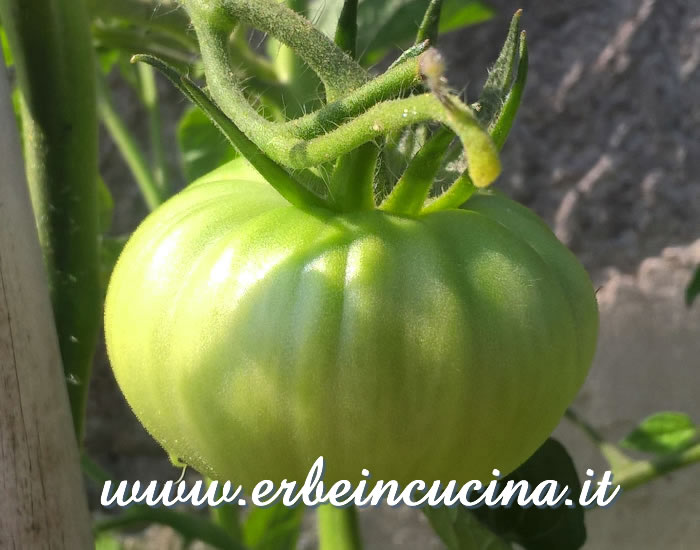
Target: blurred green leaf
662	433
535	528
393	23
202	146
107	58
17	106
693	288
456	15
273	528
6	53
459	529
107	541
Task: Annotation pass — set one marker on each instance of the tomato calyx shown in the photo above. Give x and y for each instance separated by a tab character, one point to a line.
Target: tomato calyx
349	139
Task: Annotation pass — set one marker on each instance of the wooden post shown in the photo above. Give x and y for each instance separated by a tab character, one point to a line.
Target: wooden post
42	499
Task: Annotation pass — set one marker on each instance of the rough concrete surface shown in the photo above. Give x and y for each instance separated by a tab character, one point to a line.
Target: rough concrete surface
607	149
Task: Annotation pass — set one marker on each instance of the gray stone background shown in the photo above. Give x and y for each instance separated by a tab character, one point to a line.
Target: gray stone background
607	149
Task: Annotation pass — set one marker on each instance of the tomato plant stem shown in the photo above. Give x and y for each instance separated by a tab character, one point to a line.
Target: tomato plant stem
642	471
338	72
55	65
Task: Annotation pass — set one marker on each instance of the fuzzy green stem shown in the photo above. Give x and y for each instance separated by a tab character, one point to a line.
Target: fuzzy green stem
391	84
390	116
54	63
225	89
149	96
409	193
428	29
338	528
375	122
129	149
346	32
338	72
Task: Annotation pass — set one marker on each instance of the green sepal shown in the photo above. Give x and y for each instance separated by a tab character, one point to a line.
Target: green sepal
410	192
500	77
500	127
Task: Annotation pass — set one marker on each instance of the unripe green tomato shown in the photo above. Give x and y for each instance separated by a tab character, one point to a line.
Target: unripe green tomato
251	337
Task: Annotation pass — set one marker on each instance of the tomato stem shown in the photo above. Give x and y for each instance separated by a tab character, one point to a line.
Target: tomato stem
55	66
338	71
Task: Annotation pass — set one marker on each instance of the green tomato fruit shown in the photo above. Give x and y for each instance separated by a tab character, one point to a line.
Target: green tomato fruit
251	337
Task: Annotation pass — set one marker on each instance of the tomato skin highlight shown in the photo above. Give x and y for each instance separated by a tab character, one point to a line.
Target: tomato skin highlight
251	337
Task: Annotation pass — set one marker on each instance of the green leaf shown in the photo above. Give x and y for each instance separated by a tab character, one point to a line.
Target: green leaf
456	15
202	147
394	23
662	433
693	288
273	528
6	53
535	528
